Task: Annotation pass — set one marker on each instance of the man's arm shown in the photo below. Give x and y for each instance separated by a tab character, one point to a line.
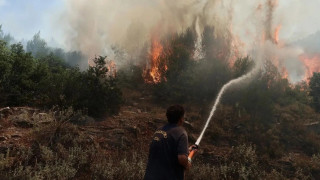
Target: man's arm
183	160
183	151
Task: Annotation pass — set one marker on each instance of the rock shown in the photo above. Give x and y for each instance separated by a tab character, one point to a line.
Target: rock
23	124
42	118
6	109
5	112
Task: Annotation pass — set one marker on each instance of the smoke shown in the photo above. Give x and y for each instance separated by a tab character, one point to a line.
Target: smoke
271	5
96	27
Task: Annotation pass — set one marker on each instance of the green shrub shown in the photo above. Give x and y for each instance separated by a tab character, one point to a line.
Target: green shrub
48	81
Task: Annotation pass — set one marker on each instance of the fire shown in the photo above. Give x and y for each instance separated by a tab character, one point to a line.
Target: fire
155	69
284	73
112	68
312	64
276	34
236	47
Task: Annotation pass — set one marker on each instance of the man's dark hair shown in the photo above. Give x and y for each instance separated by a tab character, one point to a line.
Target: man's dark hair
175	113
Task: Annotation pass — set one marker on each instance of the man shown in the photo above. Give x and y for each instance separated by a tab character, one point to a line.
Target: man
168	154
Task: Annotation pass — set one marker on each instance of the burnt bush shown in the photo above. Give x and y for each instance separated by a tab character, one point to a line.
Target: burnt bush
189	80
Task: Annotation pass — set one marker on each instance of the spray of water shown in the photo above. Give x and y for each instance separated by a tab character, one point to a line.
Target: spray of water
216	103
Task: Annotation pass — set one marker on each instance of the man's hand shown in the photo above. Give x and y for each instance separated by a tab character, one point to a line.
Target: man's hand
193	147
192	151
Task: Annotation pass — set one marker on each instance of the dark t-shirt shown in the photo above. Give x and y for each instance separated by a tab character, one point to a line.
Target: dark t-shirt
168	142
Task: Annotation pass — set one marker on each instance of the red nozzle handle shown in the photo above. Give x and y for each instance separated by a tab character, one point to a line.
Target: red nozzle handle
193	150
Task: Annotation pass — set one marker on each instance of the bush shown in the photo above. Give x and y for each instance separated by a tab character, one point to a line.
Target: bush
242	163
315	91
49	81
187	79
61	151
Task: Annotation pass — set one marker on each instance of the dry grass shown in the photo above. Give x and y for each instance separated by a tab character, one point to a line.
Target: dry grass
62	150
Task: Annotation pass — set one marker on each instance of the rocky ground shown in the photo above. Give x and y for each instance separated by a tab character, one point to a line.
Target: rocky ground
132	129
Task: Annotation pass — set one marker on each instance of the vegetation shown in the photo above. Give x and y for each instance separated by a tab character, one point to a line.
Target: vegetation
315	91
188	80
60	150
269	126
48	81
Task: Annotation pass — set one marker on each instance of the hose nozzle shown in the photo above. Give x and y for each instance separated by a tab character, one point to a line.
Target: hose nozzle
194	149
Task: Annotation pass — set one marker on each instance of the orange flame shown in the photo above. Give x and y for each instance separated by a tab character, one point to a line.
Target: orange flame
112	68
236	46
312	64
154	73
284	73
276	34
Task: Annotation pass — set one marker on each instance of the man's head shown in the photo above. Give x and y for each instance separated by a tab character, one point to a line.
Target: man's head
175	114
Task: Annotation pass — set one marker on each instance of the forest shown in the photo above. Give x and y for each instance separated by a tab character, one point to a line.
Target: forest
264	128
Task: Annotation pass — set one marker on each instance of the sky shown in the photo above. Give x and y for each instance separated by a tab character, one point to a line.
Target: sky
24	18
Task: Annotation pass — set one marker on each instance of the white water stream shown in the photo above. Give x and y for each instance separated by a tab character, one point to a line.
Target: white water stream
216	103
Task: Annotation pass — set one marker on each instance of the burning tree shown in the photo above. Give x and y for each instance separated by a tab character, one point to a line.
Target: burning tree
156	66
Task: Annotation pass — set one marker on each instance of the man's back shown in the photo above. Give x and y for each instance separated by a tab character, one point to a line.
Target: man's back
168	142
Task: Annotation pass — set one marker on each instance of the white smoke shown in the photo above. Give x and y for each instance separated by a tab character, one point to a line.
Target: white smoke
94	27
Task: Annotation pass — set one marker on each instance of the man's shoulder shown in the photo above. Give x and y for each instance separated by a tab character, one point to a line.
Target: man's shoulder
173	129
179	130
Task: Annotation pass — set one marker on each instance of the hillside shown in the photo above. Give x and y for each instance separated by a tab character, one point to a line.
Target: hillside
62	122
51	144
